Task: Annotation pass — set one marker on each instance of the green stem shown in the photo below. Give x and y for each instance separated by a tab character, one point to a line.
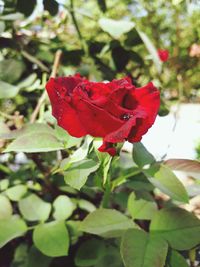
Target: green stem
77	27
106	196
122	179
74	20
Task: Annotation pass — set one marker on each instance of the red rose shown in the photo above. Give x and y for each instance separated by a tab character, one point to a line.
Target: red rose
163	54
115	111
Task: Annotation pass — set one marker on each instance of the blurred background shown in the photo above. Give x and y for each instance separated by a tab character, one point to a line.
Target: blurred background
102	40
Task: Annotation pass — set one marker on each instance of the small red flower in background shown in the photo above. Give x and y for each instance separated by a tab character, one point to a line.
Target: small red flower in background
116	111
163	54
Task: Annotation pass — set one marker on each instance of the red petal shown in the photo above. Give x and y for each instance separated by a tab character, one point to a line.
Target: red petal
148	98
108	147
62	110
97	121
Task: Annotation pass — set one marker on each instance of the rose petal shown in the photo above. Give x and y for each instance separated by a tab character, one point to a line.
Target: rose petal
148	98
97	121
108	147
59	90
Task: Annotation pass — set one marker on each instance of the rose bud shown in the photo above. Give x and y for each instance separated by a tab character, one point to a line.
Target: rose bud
163	54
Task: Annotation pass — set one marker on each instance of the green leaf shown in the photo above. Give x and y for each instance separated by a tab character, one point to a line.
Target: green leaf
26	7
86	205
152	50
10	229
5	208
139	249
8	90
77	174
106	223
63	207
35	142
89	252
141	206
4	129
69	140
12	16
36	258
111	258
141	155
15	193
52	239
34	208
11	70
82	152
164	179
20	255
74	233
2	27
51	6
29	128
115	28
133	38
28	81
179	227
175	259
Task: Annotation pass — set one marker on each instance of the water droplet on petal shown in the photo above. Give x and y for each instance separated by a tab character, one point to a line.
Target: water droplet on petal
126	116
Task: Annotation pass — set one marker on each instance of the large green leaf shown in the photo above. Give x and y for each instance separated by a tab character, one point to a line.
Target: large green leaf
52	238
77	174
89	252
152	50
115	27
140	249
141	155
35	142
179	227
164	179
34	208
10	229
106	222
141	206
8	90
5	208
63	207
11	70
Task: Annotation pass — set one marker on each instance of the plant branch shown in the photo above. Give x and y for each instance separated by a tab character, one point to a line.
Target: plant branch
43	96
34	60
74	19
